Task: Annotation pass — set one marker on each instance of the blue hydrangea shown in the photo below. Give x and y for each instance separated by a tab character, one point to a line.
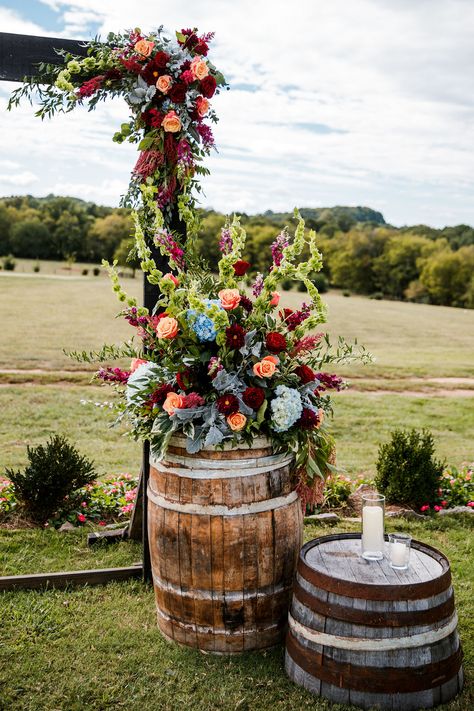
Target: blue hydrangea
286	408
202	325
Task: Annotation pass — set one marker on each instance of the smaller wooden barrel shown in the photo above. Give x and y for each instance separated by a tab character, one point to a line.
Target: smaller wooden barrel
362	633
225	531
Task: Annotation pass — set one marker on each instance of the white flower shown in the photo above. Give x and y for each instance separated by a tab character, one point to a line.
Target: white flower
286	408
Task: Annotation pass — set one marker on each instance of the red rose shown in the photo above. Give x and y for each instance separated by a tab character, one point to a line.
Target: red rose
241	267
235	336
227	404
305	374
275	342
208	86
254	397
177	94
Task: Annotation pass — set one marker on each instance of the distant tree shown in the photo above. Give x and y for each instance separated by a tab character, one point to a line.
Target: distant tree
126	255
397	266
447	275
106	234
31	239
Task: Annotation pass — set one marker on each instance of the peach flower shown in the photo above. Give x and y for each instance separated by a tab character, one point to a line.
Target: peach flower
202	106
171	122
230	298
275	298
144	47
164	83
135	363
272	359
199	68
173	402
167	327
236	421
172	278
265	368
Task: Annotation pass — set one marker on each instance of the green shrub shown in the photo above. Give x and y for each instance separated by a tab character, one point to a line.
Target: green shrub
321	282
85	272
300	286
36	267
96	271
377	295
407	472
9	263
346	293
336	491
287	284
55	472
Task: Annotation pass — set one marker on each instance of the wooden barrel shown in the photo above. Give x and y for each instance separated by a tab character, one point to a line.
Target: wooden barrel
362	633
225	530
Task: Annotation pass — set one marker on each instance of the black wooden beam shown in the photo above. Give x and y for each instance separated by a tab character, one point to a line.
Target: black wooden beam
64	579
19	54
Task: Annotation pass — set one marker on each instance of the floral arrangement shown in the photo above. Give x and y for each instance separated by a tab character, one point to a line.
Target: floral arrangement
167	84
223	363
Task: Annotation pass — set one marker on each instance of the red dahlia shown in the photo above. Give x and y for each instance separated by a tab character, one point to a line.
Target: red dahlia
159	395
235	336
254	397
241	267
227	404
178	93
208	86
275	342
309	419
305	374
246	303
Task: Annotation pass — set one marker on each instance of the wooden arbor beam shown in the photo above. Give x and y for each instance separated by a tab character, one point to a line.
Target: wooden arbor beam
20	54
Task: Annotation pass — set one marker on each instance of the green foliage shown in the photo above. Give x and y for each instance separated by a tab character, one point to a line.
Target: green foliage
337	490
407	472
447	276
9	263
457	486
55	471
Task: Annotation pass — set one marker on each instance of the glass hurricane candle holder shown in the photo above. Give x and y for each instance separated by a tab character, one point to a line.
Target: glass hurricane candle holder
373	506
399	546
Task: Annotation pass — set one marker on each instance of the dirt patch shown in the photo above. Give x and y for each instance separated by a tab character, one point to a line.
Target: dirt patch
455	392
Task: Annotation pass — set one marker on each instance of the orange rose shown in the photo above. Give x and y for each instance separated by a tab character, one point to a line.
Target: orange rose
167	327
266	367
172	278
199	68
173	402
202	106
272	359
230	298
237	421
144	47
164	83
171	122
275	298
136	362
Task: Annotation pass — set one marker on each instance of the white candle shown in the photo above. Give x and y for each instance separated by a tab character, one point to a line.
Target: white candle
372	528
398	554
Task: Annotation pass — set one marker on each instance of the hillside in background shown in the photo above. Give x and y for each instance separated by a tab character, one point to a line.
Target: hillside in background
362	253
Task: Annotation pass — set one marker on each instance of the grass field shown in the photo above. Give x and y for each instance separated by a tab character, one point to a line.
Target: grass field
99	648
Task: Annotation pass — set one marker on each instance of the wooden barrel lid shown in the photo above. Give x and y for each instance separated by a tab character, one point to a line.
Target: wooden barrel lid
334	563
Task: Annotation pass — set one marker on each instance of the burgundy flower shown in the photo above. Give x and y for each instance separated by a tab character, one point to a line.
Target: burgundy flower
241	267
235	336
305	374
201	48
193	400
191	39
91	86
161	59
113	74
309	419
275	342
307	343
177	93
153	118
227	404
208	86
329	382
187	76
246	304
254	397
297	317
131	65
113	375
159	395
184	379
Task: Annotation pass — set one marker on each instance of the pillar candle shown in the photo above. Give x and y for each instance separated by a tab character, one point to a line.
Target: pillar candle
372	528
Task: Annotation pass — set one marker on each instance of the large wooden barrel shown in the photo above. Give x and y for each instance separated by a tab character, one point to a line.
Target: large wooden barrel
225	531
362	633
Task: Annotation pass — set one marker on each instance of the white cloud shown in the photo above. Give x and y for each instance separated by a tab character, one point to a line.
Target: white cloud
391	81
20	180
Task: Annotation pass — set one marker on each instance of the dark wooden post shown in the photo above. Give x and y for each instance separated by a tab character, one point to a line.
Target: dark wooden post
19	57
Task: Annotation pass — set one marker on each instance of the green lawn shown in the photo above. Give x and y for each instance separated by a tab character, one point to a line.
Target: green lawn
99	648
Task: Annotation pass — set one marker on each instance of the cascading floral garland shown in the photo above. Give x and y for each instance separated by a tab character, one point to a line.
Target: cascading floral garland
167	84
213	360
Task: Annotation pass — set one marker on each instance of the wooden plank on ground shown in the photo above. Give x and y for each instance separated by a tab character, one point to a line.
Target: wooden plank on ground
72	577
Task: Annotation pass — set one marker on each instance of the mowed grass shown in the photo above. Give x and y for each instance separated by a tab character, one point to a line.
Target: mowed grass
99	648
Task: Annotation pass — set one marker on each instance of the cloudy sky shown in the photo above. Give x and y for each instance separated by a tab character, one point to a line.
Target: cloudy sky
349	102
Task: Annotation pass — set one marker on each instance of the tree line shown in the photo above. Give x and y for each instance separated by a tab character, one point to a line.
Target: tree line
362	253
